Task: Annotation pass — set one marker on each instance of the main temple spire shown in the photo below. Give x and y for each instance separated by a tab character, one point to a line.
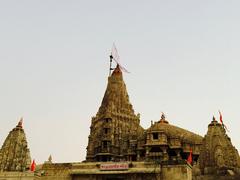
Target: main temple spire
114	124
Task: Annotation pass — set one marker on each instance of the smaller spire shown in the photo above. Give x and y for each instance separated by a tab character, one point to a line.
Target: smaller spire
20	123
163	116
163	119
50	159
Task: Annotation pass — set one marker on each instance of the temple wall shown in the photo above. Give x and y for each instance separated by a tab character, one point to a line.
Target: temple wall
58	171
17	176
176	172
214	177
136	171
91	171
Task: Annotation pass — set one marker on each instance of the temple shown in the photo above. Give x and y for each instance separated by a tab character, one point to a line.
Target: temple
218	155
169	143
116	134
119	148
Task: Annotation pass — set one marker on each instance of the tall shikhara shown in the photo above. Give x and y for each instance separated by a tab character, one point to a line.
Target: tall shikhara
14	154
115	130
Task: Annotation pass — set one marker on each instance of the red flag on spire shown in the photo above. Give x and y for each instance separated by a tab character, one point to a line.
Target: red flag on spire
221	120
189	159
33	166
220	117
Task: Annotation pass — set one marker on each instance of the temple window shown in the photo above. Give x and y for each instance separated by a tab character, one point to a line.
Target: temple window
106	130
155	136
106	144
107	120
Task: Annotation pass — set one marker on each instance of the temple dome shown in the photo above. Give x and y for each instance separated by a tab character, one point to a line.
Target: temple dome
172	131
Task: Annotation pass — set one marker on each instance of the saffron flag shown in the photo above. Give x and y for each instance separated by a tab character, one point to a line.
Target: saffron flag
116	58
33	166
189	159
114	53
220	117
221	120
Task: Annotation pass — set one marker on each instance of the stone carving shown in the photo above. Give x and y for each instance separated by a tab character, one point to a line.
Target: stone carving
217	152
167	142
115	129
14	154
116	134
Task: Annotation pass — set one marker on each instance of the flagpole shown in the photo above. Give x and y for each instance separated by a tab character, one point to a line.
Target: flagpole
110	68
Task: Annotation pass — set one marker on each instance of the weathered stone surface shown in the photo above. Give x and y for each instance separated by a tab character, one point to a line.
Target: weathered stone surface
217	153
57	171
14	154
115	130
136	171
17	176
116	134
159	152
168	142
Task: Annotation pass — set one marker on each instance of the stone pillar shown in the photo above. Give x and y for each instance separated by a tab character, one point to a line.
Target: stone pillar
165	154
178	154
147	153
138	155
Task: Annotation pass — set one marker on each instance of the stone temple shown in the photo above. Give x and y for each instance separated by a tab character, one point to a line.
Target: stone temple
120	149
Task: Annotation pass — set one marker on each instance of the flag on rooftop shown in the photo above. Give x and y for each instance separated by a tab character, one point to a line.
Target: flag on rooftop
115	56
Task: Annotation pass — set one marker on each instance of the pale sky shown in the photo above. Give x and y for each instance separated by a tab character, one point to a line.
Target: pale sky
54	56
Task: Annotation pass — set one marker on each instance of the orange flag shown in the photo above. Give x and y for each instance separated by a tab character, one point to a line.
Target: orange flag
189	159
220	114
33	166
221	120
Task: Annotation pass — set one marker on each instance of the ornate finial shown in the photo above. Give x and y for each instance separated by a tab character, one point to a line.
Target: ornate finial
20	123
163	119
163	116
214	119
50	159
117	70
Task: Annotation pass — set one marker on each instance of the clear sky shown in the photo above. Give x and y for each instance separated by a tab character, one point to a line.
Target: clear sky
54	56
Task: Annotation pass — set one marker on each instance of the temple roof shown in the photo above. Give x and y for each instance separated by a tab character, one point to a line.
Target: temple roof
14	154
175	132
116	99
217	150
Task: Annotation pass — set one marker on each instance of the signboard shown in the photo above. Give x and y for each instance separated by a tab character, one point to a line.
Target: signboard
114	166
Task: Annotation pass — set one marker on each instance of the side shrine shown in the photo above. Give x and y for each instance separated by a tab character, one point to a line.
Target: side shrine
120	149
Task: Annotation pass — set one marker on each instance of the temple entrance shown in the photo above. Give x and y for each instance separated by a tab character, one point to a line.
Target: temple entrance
100	177
114	177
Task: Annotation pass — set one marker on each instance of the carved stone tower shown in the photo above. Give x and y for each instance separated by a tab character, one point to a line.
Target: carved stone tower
115	129
217	153
14	154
